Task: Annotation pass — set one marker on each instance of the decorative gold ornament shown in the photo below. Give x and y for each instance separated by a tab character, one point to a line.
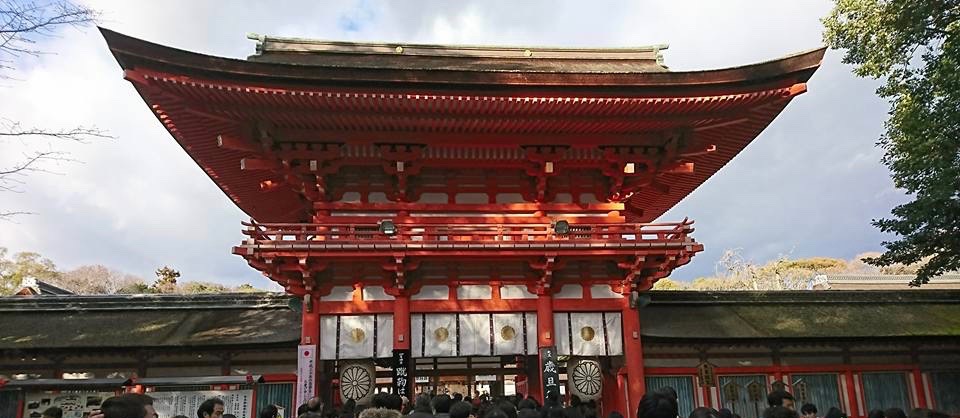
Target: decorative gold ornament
587	333
508	333
441	334
357	335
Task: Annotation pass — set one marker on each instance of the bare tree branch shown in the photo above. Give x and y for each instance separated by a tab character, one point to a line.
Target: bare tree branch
28	165
6	216
11	129
22	24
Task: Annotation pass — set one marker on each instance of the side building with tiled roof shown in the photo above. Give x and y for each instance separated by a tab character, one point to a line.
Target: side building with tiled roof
857	350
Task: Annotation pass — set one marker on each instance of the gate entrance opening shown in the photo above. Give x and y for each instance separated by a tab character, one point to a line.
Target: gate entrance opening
472	376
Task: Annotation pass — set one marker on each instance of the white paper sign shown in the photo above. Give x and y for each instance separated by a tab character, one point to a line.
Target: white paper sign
168	404
306	373
74	405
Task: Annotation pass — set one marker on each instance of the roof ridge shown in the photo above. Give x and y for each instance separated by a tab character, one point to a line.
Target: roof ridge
806	296
122	302
391	48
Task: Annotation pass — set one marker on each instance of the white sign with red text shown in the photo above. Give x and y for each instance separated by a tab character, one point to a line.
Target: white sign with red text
306	373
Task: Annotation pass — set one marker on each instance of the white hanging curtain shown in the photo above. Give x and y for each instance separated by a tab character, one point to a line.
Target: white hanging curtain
588	333
416	330
438	335
474	334
356	336
614	333
561	333
328	337
587	336
508	334
531	319
385	336
434	335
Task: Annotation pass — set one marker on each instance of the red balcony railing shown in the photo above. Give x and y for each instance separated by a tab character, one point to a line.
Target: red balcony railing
432	233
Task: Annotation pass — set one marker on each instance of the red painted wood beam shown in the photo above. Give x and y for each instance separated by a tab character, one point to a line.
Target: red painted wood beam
236	144
812	368
471	208
401	322
251	163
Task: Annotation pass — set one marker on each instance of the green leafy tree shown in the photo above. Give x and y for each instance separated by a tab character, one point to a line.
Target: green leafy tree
24	265
166	280
914	46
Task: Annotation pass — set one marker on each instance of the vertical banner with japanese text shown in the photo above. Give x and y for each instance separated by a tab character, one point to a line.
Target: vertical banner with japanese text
550	374
306	373
401	372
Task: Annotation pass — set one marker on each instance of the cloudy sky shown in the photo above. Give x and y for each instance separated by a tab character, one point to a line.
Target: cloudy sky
808	186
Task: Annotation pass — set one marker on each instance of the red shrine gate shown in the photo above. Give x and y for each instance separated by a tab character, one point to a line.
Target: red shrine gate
433	202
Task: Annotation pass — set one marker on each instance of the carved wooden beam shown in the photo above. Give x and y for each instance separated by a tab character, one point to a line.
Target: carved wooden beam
399	160
545	267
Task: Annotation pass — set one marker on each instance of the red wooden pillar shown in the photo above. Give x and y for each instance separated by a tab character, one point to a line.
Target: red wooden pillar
921	393
534	384
310	330
633	355
401	322
310	335
401	341
545	337
852	394
622	394
611	398
20	404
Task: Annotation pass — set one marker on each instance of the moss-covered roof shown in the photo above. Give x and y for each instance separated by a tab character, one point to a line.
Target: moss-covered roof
147	321
129	321
795	315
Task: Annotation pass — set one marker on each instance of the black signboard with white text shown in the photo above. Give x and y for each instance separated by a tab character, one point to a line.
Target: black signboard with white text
550	374
401	373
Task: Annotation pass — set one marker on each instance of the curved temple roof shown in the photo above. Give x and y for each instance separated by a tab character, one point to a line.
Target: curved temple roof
363	93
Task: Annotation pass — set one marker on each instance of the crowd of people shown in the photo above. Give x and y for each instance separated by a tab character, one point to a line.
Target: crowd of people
660	403
385	405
